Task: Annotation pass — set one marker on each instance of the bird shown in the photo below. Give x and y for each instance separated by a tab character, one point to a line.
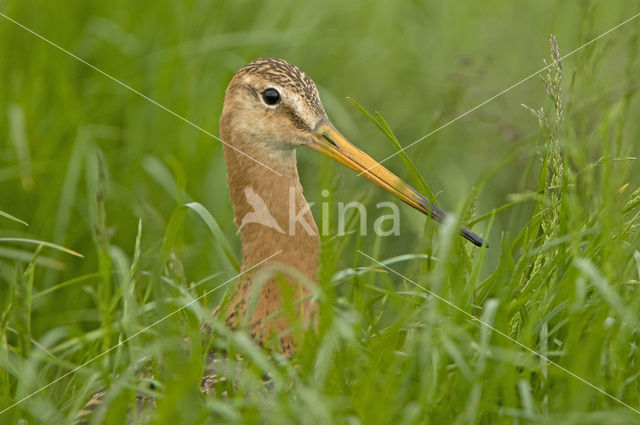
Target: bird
270	109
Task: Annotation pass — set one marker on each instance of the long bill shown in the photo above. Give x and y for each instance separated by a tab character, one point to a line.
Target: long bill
331	143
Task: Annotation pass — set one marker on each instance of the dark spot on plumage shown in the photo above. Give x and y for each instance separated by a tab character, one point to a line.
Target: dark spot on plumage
295	119
254	92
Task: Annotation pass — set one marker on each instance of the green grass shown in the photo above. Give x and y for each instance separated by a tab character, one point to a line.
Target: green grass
93	168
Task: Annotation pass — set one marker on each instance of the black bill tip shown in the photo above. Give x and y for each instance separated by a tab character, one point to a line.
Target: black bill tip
473	238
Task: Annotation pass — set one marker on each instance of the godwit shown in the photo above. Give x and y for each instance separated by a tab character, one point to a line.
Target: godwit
271	107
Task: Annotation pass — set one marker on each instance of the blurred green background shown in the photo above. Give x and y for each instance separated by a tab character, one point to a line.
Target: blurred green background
419	63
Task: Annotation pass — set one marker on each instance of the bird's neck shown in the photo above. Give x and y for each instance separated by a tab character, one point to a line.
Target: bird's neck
275	222
271	213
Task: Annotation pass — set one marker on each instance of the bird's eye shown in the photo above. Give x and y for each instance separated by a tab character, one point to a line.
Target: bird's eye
271	96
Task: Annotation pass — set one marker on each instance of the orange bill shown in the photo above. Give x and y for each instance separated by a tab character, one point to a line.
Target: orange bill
331	143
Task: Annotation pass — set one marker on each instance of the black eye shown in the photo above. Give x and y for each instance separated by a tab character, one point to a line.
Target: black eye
271	96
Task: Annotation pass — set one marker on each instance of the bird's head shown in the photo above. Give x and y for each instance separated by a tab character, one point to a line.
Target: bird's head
273	103
276	107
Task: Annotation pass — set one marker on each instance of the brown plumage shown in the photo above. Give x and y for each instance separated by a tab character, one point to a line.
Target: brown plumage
269	133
